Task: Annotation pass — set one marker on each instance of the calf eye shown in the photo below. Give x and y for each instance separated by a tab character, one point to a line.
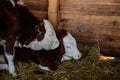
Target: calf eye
68	46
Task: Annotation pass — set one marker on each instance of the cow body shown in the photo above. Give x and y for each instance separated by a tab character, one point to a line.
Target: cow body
9	29
18	23
48	59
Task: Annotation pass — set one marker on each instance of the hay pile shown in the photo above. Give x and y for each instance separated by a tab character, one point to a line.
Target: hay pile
89	67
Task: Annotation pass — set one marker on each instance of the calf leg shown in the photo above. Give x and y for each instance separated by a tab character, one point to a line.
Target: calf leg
44	67
11	66
8	47
9	54
40	61
3	67
3	64
2	58
50	66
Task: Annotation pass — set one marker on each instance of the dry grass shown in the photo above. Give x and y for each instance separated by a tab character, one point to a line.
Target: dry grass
90	67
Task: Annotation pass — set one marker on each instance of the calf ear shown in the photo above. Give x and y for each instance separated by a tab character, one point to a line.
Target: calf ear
63	31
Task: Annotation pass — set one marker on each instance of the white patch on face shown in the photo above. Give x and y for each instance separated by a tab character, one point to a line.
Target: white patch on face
49	41
3	67
71	50
13	3
43	67
11	66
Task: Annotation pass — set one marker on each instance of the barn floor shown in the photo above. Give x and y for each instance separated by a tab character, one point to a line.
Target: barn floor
91	66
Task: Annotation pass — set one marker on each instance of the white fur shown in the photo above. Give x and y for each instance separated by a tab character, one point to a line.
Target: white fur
2	42
43	67
9	58
71	50
20	2
13	3
3	67
49	41
11	66
17	44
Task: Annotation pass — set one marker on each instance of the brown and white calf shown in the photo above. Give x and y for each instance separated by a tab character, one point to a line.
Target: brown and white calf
47	59
45	39
18	23
9	29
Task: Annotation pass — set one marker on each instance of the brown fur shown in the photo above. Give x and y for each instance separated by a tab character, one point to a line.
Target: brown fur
18	21
45	58
9	26
30	37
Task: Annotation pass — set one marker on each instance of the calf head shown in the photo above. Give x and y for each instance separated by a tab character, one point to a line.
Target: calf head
71	50
50	35
68	46
49	40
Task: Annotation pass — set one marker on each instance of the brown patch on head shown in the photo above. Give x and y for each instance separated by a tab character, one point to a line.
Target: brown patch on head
40	29
38	33
61	50
61	33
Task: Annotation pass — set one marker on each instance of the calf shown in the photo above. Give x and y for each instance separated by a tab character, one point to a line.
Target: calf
41	34
17	22
11	26
9	29
45	39
46	59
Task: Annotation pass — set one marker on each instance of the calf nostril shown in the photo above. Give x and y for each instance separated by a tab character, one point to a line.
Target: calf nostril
79	56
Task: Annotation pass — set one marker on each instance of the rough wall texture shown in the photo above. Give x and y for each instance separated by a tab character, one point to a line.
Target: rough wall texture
38	7
92	21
